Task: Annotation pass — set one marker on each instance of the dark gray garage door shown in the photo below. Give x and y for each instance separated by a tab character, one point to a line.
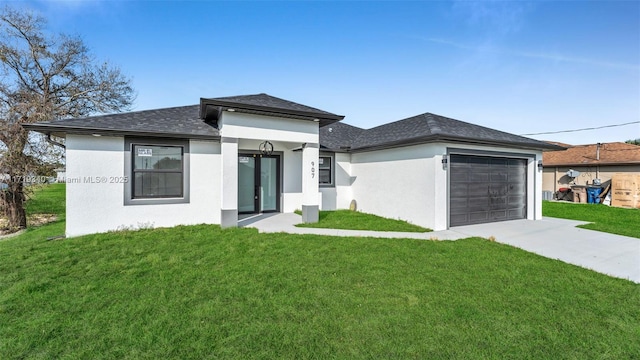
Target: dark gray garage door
486	189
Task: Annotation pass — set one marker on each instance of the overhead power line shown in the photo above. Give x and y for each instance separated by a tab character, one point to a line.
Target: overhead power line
583	129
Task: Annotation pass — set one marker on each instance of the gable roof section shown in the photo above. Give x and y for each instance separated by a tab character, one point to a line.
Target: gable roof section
429	127
615	153
264	104
183	121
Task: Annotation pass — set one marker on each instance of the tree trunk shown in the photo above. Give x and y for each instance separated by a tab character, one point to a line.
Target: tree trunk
12	200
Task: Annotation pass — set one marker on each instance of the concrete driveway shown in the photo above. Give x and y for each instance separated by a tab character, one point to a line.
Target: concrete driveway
560	239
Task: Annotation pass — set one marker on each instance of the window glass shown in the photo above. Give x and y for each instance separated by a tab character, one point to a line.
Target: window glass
157	157
158	171
149	184
324	170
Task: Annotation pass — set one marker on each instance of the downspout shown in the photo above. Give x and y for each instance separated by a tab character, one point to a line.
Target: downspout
53	142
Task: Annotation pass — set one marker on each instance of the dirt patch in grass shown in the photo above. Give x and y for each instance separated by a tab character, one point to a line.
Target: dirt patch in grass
33	220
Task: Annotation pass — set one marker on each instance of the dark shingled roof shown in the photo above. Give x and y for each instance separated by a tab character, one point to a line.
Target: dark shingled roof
183	121
186	121
339	135
264	104
425	128
267	101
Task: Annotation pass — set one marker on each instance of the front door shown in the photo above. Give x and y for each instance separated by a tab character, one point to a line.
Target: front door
258	183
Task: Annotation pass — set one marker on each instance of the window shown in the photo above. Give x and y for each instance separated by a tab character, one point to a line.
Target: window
158	171
325	170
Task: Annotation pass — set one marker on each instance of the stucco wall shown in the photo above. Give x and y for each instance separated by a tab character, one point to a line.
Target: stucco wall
411	183
247	126
340	195
555	177
99	207
397	183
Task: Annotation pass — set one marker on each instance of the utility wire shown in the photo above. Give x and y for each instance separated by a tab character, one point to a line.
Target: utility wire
584	129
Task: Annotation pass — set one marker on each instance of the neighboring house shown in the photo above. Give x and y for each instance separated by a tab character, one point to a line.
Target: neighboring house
210	162
593	161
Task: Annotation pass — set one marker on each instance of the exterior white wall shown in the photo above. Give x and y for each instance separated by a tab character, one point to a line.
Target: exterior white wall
397	183
411	183
340	195
257	127
99	207
229	174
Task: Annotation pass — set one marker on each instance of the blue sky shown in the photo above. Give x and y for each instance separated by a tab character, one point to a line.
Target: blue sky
521	67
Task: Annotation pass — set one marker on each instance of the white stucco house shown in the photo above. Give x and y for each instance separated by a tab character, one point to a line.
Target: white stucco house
210	162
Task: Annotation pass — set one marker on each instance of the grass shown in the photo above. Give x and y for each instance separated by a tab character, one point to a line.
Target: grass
194	292
47	199
355	220
602	218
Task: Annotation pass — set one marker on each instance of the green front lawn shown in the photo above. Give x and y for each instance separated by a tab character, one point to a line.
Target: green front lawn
603	218
202	292
47	199
355	220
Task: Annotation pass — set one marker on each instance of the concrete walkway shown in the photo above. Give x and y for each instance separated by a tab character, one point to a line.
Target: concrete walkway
614	255
285	222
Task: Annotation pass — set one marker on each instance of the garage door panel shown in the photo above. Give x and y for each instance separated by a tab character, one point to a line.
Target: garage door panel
517	214
460	174
496	203
477	189
499	215
486	189
480	176
478	202
517	189
475	217
499	177
458	204
459	218
475	161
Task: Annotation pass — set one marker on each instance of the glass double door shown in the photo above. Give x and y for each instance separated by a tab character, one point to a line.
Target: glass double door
258	183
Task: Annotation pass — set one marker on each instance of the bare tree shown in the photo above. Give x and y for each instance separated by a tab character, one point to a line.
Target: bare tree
45	77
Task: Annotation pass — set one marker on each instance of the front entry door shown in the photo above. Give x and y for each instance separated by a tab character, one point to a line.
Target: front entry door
258	183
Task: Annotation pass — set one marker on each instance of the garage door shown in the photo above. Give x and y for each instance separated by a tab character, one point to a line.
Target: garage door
486	189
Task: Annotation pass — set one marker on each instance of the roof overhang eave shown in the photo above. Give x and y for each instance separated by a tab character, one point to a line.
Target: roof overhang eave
207	106
61	131
448	138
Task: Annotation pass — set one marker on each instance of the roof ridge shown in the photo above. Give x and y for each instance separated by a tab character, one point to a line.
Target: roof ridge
432	123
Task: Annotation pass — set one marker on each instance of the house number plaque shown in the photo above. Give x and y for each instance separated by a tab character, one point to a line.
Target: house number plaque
313	170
